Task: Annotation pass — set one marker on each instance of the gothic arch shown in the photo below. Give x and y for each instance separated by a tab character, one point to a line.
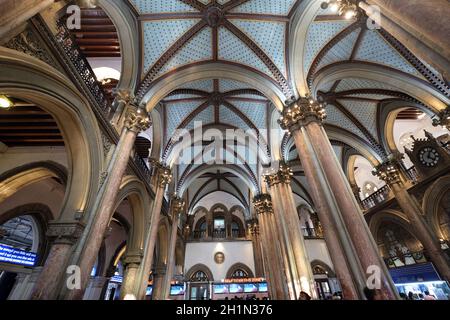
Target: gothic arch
136	193
239	266
30	79
324	266
19	177
128	31
199	267
410	85
41	215
431	202
165	85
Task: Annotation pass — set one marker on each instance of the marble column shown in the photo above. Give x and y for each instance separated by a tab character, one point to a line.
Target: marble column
95	288
159	275
421	26
131	280
98	220
62	237
390	172
342	217
177	207
286	214
257	251
275	267
163	178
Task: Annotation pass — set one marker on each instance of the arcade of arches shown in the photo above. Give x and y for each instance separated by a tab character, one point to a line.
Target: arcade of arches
213	149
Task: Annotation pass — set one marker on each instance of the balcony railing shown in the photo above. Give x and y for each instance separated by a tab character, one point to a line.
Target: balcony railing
376	198
409	258
199	234
219	234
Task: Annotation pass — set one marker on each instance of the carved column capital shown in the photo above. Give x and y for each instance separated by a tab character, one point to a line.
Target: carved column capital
178	205
389	172
263	204
301	112
64	233
133	259
283	175
253	227
162	172
137	119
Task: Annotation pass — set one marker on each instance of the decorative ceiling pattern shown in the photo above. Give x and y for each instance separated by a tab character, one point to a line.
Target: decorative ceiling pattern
178	33
365	112
337	118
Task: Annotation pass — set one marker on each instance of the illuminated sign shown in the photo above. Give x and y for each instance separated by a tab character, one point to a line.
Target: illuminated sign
117	279
243	280
17	256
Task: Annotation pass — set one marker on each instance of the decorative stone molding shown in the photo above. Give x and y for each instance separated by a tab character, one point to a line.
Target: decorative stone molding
284	175
137	120
301	112
263	204
65	233
122	95
253	227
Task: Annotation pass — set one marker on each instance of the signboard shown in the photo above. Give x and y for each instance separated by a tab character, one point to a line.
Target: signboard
414	273
17	256
116	279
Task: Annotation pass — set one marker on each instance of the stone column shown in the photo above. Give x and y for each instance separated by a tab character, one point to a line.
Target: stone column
163	178
390	173
62	237
177	207
421	26
98	220
257	251
286	214
95	288
346	231
131	280
275	267
159	275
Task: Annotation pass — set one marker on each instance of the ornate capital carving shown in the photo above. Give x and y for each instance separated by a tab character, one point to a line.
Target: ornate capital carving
137	120
163	173
301	112
253	227
389	172
443	119
263	204
177	206
65	233
283	175
122	95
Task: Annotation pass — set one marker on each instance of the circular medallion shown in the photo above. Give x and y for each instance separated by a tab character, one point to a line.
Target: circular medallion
219	257
213	16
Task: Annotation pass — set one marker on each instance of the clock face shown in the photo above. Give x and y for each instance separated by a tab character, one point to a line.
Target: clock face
429	157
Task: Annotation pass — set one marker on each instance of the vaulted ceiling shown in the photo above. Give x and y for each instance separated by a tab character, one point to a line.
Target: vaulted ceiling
255	36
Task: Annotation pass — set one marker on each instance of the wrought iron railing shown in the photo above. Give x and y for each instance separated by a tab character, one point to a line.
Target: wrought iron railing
199	234
219	234
66	43
376	198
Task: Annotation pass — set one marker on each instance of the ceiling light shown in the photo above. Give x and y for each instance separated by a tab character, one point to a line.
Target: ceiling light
5	103
350	13
334	7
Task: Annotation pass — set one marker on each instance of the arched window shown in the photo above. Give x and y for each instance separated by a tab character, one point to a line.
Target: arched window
239	274
20	233
199	276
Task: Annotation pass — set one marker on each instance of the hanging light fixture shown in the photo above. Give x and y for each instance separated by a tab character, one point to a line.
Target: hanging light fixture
5	102
346	8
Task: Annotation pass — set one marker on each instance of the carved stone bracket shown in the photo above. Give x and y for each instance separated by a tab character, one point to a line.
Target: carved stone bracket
389	172
263	204
301	112
65	233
